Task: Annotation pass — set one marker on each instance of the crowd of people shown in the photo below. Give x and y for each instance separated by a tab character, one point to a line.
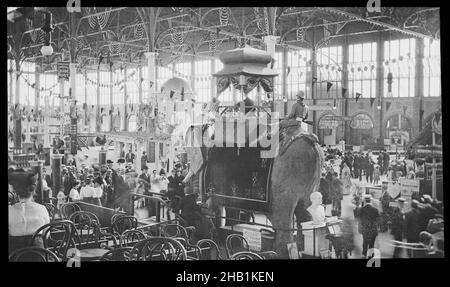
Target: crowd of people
373	216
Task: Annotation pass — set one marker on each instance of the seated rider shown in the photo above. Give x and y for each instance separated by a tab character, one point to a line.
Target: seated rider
299	111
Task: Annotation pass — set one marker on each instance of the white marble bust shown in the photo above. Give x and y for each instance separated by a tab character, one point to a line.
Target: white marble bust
316	208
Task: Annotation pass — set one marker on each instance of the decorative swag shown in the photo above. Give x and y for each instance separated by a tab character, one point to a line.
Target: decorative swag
251	82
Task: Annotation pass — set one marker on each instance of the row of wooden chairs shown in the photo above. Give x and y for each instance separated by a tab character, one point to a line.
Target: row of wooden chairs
134	245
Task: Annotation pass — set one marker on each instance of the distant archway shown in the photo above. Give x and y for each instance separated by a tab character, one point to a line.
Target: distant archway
398	129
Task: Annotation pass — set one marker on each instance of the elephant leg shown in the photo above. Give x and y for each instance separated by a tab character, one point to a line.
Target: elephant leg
301	215
282	219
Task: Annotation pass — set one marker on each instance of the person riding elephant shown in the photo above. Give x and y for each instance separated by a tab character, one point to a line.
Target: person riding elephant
295	174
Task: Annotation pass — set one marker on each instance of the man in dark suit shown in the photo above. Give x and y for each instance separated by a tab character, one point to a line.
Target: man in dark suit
145	177
368	223
397	219
144	160
427	212
412	224
129	157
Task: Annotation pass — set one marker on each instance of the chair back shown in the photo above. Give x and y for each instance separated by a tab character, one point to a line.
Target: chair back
209	250
51	210
115	216
67	209
117	254
131	236
158	249
268	255
57	236
122	223
174	230
87	227
33	254
232	247
246	255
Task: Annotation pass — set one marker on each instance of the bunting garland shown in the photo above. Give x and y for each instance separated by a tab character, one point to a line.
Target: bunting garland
329	85
358	95
33	85
344	90
388	105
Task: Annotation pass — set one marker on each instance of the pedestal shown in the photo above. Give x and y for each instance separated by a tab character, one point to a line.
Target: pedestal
56	172
314	237
36	166
102	157
47	155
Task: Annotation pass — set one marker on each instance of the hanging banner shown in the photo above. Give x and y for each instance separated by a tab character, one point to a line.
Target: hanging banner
63	69
361	121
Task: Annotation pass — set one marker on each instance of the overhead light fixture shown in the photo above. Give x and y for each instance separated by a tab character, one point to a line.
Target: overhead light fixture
47	49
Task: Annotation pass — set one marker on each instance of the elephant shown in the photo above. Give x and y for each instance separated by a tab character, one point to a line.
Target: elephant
294	175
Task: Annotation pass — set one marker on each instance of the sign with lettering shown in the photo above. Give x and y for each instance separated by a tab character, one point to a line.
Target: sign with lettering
63	69
361	121
393	189
407	188
329	122
320	108
429	152
253	238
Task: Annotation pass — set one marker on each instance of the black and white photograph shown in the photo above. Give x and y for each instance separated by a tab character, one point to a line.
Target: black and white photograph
224	133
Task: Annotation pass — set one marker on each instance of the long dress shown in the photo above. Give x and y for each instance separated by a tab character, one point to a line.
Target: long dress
346	180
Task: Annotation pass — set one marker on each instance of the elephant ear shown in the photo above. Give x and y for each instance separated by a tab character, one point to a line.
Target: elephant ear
266	85
223	84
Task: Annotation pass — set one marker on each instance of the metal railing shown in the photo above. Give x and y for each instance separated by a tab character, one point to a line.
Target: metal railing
157	200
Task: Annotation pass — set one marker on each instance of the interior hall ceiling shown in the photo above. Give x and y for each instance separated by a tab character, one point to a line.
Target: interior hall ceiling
112	37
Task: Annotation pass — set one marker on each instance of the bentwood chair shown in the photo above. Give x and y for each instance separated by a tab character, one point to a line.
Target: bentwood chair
51	210
90	239
57	236
116	216
33	254
130	237
67	209
117	254
125	222
232	247
246	255
209	250
268	255
158	249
